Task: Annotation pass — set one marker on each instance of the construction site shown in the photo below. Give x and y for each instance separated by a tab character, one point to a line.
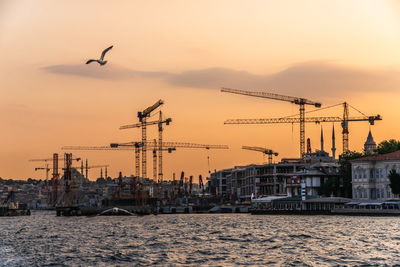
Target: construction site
70	192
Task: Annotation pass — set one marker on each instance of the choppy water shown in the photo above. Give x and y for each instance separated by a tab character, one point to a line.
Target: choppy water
217	240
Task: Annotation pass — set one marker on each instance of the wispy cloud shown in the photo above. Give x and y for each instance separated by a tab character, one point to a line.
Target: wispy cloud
300	79
111	72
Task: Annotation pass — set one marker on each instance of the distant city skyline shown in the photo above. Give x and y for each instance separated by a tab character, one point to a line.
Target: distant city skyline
183	52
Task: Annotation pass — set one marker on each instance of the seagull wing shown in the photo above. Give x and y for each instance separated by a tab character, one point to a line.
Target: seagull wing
105	51
90	61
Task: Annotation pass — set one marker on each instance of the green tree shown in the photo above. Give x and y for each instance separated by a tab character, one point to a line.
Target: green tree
394	178
340	186
388	146
346	173
329	187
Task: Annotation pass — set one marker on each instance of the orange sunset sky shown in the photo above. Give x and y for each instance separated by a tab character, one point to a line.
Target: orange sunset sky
182	52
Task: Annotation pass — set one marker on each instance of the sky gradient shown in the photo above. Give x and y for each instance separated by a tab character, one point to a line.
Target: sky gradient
183	52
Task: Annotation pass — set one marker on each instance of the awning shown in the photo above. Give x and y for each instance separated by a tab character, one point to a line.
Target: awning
370	203
266	199
392	202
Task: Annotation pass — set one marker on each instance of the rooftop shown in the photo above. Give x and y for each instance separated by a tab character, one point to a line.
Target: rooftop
370	139
389	156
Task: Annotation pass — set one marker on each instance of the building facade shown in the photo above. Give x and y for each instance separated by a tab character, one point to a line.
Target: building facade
370	176
242	183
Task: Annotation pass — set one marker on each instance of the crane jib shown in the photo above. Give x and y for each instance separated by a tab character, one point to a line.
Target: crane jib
291	99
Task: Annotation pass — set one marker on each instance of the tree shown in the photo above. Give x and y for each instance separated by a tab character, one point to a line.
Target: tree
394	178
329	187
346	173
340	186
388	146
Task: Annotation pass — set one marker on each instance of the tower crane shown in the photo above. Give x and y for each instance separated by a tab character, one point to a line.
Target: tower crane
177	145
143	115
160	123
47	169
344	123
112	147
170	146
160	145
266	151
56	175
295	100
159	148
137	146
152	145
201	184
166	146
123	147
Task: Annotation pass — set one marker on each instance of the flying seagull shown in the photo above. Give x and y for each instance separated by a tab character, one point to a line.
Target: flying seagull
101	61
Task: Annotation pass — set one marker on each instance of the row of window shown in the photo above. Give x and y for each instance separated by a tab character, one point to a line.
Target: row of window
373	173
374	193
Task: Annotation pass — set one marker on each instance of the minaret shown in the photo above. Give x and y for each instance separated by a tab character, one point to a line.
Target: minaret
322	139
369	145
101	173
333	142
82	169
87	169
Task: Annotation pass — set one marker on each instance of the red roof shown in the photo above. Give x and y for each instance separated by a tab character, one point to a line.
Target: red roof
389	156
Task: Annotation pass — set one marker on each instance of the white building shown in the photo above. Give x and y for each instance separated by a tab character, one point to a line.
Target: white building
370	176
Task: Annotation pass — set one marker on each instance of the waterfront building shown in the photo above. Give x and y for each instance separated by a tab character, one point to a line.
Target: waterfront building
218	182
370	176
318	168
243	183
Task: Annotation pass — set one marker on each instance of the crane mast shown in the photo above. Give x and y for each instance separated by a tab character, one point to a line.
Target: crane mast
160	145
55	180
294	100
159	123
138	145
143	115
155	160
345	127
